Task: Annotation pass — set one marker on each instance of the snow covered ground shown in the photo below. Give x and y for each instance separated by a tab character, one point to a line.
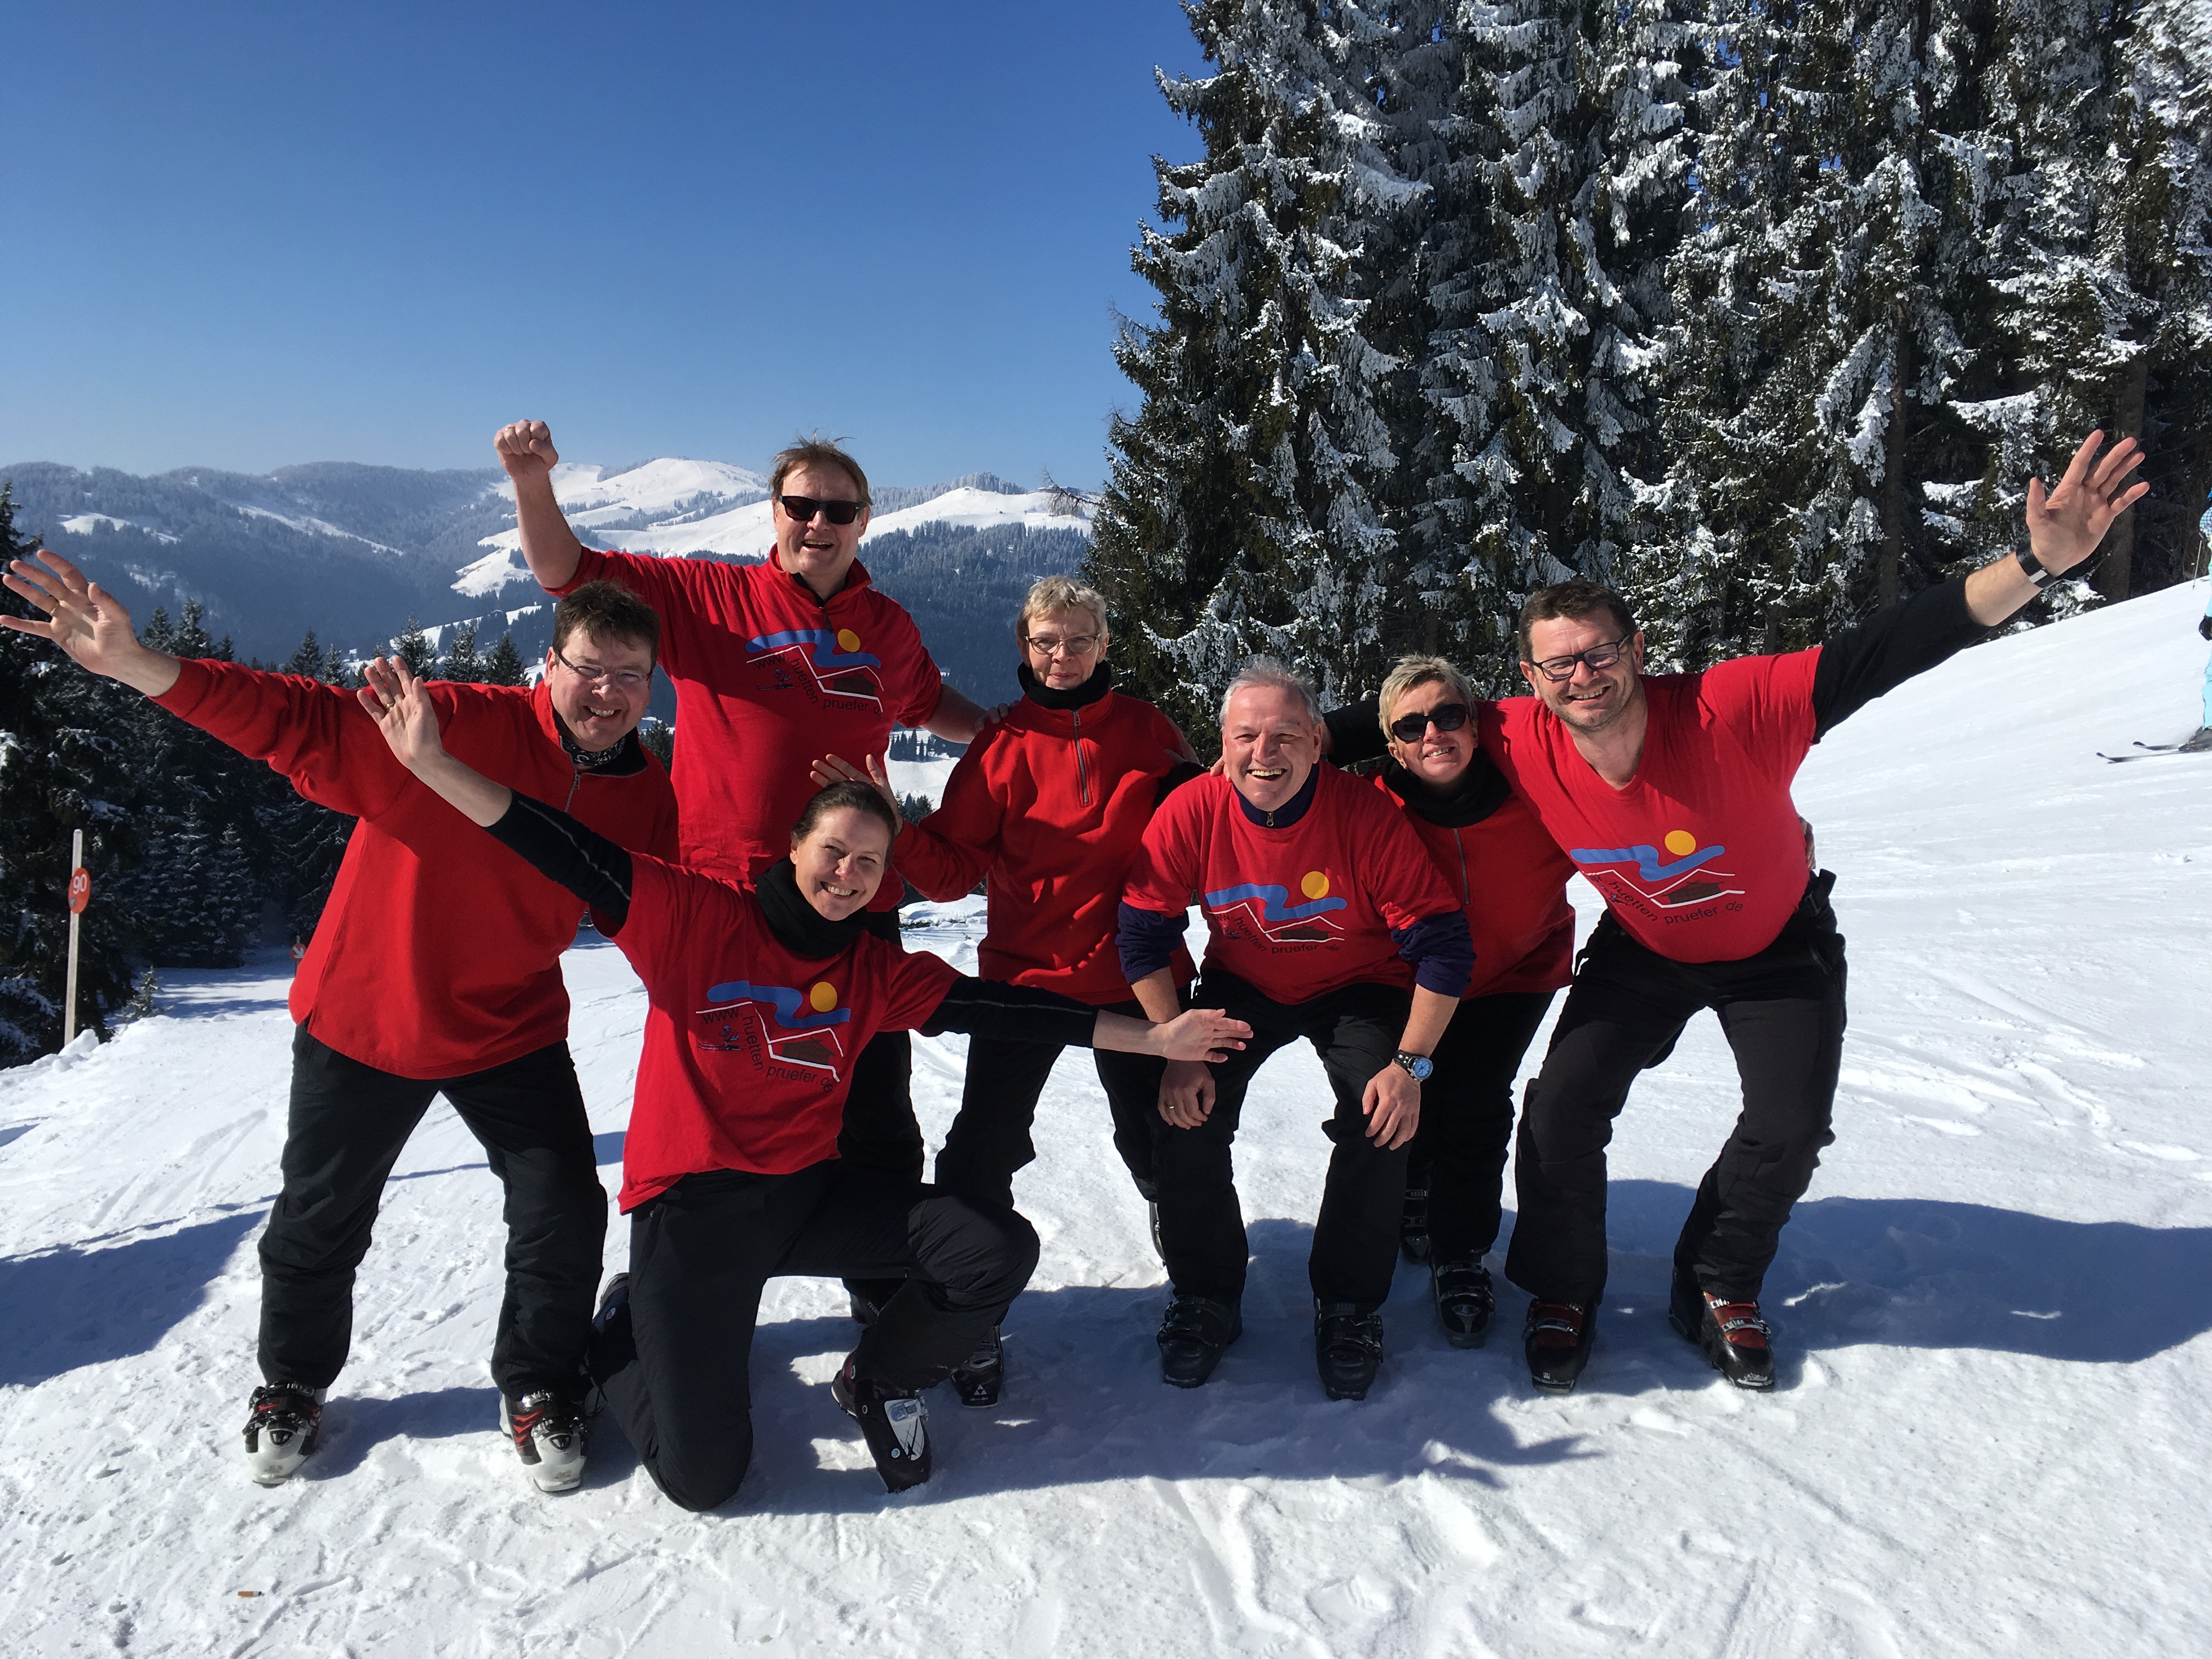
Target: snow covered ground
1993	1311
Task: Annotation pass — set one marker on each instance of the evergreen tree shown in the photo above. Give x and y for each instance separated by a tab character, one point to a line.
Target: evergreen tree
461	661
414	648
307	660
504	667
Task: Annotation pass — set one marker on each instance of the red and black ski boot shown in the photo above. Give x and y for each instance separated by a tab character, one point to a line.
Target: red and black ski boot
1733	1334
1557	1339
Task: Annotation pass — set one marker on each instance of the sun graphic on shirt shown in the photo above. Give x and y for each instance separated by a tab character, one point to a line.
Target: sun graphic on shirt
1682	844
823	997
848	640
1314	885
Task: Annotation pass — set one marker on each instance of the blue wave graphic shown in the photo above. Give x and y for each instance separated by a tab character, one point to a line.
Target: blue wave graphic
1646	859
788	1004
1274	905
822	652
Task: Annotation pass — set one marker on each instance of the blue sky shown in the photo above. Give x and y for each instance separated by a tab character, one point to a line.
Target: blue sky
242	236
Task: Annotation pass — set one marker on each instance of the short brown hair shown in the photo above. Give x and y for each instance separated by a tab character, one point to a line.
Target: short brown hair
607	610
859	796
817	451
1573	600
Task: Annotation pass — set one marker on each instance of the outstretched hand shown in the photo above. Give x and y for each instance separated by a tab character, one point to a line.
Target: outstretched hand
1202	1034
86	621
402	709
2065	526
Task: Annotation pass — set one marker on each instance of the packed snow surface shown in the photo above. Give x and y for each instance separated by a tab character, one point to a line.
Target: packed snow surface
1992	1311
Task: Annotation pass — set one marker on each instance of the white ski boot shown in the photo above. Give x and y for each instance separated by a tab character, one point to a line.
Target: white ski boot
548	1431
285	1423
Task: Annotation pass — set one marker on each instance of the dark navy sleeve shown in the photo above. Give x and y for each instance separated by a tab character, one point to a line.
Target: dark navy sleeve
1355	733
1441	950
1012	1013
588	864
1148	940
1888	648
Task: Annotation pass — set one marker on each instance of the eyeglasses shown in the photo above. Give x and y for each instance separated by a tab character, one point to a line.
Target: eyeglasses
622	679
1597	658
802	509
1445	717
1048	645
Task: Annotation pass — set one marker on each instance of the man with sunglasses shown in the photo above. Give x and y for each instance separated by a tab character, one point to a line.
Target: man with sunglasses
1671	793
775	663
436	970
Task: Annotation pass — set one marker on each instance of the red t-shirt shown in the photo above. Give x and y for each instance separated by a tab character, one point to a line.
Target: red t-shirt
749	1048
1700	857
1511	879
1297	912
1050	803
769	679
439	951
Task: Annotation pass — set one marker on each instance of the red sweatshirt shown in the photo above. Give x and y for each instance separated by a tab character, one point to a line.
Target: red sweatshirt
769	679
1295	912
439	953
1511	880
1700	857
1050	803
748	1047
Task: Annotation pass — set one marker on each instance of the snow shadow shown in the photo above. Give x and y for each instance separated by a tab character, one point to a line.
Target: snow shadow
1936	1273
73	1307
354	1426
607	1148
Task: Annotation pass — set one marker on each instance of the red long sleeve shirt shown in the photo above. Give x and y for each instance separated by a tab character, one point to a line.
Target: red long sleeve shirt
1050	804
1296	912
1511	880
748	1046
767	679
439	952
1701	858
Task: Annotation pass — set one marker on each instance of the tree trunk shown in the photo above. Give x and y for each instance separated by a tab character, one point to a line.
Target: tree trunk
2116	570
1892	555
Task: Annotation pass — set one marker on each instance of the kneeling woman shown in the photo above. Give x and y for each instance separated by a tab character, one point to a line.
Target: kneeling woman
759	1000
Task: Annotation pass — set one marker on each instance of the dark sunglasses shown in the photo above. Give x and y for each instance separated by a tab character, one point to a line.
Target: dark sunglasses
803	508
1445	717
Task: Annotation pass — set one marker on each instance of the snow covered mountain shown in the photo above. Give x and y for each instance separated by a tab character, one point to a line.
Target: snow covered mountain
1994	1311
353	551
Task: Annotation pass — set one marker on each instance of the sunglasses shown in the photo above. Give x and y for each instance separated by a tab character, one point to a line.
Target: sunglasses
802	509
1445	717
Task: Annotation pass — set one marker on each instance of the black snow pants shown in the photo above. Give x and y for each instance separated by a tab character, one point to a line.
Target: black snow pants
990	1138
1782	1011
1467	1120
348	1124
1355	1030
674	1363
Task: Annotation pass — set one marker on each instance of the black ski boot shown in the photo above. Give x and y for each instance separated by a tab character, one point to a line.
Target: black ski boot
1414	1221
1733	1334
285	1425
1556	1340
1347	1348
978	1378
894	1422
1464	1301
1193	1336
613	1301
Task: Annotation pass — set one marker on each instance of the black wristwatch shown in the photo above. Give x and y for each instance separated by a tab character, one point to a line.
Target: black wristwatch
1418	1066
2032	568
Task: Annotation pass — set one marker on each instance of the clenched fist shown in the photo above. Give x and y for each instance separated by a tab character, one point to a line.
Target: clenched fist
526	450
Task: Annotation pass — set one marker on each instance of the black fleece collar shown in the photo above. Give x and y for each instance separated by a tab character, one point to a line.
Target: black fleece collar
798	925
1292	810
1482	790
619	762
1081	696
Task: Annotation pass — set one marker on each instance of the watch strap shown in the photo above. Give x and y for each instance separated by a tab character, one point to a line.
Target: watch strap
2032	568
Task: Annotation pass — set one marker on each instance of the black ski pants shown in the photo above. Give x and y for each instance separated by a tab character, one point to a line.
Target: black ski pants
1355	1030
990	1138
347	1126
674	1363
1467	1120
1782	1011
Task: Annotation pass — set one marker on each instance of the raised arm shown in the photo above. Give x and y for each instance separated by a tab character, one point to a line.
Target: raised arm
2064	527
550	547
88	623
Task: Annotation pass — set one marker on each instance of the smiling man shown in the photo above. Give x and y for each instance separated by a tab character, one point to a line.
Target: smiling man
1323	912
434	970
775	663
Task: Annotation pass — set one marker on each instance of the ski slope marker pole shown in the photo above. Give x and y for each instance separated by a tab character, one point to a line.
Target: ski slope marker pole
80	891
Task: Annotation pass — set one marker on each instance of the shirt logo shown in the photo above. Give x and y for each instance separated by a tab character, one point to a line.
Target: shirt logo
1266	910
1683	880
779	1024
833	663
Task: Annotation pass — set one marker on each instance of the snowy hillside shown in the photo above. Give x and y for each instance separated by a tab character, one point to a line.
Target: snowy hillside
1993	1311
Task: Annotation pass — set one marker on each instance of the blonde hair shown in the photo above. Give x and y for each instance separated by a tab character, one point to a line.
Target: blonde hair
1052	593
1413	672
